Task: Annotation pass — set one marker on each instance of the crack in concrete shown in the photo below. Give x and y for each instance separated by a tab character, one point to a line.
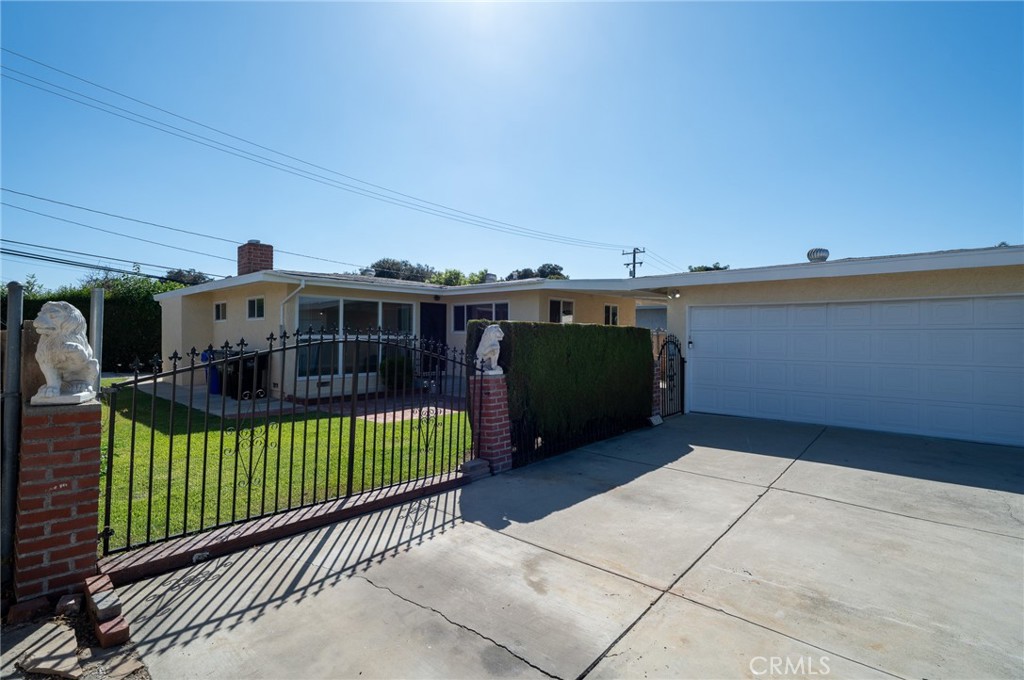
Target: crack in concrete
459	625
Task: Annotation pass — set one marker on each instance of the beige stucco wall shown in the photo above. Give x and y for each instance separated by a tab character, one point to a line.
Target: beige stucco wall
936	284
589	308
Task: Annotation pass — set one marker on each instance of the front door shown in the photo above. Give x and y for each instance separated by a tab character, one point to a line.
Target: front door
433	327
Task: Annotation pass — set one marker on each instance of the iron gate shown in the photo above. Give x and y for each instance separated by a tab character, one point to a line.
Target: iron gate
231	434
673	367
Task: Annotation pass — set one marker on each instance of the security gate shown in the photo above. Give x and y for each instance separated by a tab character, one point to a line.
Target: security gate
672	365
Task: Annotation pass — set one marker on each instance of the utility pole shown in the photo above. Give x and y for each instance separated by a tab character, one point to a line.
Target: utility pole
633	265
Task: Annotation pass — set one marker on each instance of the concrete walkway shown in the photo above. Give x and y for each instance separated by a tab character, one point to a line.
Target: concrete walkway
708	547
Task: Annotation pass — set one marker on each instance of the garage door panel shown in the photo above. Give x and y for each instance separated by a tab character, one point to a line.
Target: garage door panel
897	416
999	347
896	314
771	374
999	388
771	405
948	368
949	312
851	412
851	315
1001	312
772	317
896	347
809	408
949	347
809	377
949	384
737	373
809	316
898	381
851	346
949	420
851	378
737	345
736	401
771	346
737	318
808	346
1003	425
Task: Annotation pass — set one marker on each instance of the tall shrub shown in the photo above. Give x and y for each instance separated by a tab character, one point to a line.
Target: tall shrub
573	383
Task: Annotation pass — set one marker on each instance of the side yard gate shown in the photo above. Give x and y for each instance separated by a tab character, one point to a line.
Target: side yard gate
231	434
673	365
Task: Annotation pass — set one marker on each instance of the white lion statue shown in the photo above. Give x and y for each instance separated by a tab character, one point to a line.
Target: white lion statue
489	349
64	355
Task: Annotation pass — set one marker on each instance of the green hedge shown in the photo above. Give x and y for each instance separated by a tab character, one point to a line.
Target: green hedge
566	379
131	327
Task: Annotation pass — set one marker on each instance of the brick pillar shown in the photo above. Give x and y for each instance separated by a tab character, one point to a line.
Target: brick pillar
656	390
55	531
490	418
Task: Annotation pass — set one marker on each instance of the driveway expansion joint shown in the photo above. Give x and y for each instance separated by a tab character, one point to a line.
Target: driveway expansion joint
459	625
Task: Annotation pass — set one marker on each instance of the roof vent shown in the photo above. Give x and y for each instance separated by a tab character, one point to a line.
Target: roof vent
817	254
490	278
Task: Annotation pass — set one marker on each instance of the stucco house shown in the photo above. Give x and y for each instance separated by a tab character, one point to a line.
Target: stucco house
262	300
925	343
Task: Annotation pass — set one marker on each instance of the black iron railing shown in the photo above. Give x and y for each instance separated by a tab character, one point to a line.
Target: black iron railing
672	373
234	433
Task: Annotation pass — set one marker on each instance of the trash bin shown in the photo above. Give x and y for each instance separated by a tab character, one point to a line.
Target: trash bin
213	380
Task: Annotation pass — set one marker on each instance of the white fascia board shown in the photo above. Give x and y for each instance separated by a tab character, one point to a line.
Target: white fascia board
896	264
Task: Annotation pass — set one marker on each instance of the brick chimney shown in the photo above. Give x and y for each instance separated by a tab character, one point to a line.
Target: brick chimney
255	257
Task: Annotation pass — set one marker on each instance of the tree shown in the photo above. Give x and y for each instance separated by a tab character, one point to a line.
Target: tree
545	271
390	268
550	271
32	287
707	267
190	277
449	277
520	274
477	277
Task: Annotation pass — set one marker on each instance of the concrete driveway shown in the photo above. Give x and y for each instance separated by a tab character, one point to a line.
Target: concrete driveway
709	547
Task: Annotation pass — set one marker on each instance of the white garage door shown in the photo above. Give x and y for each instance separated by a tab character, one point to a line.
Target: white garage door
947	368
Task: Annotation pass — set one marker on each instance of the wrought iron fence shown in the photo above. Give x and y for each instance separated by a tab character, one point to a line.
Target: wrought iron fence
530	443
233	433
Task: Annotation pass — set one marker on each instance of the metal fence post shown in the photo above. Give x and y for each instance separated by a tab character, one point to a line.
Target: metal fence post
96	331
12	426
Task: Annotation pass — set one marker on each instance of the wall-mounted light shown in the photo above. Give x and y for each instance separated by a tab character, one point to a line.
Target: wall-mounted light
674	293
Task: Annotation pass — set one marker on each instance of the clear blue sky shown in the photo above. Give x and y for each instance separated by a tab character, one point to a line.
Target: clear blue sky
738	133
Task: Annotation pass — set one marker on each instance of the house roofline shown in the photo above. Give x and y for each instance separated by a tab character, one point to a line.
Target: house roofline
642	287
999	256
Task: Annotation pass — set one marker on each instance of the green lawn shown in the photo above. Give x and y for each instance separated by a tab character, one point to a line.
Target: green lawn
230	471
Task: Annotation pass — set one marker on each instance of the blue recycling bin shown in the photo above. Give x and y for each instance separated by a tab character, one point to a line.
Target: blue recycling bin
212	372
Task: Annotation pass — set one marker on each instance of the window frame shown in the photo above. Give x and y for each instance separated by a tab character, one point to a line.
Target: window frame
260	301
340	301
465	320
562	315
611	319
217	306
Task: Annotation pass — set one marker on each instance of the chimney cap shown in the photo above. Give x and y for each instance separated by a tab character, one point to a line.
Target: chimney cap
253	240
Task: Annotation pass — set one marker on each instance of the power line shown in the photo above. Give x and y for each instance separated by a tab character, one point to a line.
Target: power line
74	263
160	226
115	233
103	257
673	265
438	210
267	148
